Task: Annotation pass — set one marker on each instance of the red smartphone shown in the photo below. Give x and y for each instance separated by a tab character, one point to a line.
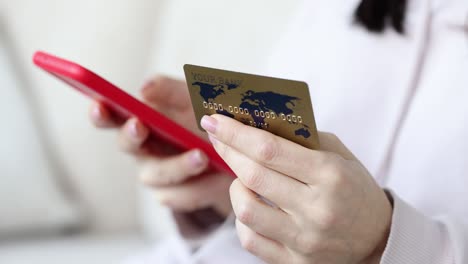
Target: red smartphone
125	106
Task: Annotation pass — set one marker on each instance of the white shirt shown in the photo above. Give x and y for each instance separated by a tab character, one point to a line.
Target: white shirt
400	103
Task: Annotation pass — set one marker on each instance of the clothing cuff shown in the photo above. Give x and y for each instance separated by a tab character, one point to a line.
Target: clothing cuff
197	227
415	238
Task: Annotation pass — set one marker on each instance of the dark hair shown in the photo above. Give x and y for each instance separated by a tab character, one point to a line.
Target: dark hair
376	15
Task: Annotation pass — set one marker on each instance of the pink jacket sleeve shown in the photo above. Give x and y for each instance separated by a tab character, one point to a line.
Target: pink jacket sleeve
416	238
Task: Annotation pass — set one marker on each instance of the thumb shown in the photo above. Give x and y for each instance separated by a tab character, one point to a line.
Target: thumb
331	143
164	91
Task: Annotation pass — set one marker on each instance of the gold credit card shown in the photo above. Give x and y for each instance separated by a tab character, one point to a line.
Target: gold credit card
282	107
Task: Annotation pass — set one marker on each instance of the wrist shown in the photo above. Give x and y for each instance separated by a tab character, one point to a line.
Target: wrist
376	255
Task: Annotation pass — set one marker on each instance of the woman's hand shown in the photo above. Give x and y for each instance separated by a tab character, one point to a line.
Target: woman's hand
171	173
328	209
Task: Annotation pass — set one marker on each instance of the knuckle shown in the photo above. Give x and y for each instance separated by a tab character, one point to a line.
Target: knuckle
327	221
254	178
323	160
246	213
186	166
158	173
248	242
157	89
336	178
333	172
224	151
267	151
230	136
308	244
329	164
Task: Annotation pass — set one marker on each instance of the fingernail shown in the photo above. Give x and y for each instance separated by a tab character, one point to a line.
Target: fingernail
197	159
97	113
147	86
134	129
209	124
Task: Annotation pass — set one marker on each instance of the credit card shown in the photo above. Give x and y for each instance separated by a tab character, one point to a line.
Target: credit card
282	107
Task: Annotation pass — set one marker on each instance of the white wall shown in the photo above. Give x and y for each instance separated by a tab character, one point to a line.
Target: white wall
112	38
119	39
235	35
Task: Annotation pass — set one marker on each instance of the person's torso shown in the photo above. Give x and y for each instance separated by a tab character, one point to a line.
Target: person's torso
399	102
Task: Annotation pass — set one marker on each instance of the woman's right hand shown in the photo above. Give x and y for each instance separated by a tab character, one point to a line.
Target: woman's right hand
170	173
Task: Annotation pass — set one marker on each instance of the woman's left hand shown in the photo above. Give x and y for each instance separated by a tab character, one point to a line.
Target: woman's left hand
328	208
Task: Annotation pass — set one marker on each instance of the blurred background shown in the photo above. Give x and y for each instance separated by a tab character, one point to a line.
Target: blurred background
67	195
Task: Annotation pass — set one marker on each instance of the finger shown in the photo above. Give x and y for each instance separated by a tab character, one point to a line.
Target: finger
268	183
257	215
160	172
266	249
155	146
194	195
164	92
330	142
101	116
265	148
132	135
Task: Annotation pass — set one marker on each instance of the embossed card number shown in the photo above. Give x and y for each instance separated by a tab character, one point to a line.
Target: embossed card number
282	107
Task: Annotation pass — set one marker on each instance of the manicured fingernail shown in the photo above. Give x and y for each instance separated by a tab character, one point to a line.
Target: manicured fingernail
212	139
197	159
97	113
134	129
146	87
209	124
148	84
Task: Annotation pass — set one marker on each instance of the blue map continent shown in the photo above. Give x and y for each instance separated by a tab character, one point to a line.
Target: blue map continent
266	102
209	92
251	100
302	132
